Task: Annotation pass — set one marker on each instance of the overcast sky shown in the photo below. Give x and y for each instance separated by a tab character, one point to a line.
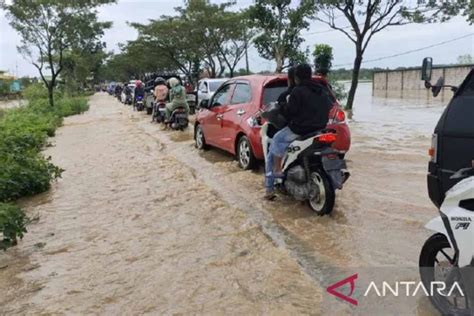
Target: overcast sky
388	42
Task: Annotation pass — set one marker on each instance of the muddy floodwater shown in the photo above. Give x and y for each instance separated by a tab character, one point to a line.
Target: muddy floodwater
142	222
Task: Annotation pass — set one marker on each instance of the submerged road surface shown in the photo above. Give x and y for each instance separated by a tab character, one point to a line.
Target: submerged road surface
142	222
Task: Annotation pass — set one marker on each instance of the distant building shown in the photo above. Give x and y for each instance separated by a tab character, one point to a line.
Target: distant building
9	83
406	83
4	75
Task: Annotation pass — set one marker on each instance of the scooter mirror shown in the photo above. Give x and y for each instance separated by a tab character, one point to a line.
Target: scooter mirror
426	69
436	88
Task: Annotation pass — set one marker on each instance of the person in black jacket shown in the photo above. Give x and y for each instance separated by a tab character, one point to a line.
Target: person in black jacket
306	111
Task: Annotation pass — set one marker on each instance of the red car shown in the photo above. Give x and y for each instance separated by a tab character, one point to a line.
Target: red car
230	120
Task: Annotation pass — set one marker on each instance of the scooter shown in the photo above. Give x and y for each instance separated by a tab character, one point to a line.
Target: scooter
312	169
159	110
128	99
139	103
178	119
450	251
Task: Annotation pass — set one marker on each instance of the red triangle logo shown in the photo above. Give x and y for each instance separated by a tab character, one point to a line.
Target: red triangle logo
351	280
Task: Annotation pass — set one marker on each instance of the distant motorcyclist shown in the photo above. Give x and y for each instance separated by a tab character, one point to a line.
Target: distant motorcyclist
161	90
139	92
118	91
306	111
177	98
161	95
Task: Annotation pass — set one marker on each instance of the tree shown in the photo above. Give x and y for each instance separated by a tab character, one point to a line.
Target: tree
465	59
202	34
49	28
323	58
368	17
237	37
323	63
81	66
209	29
173	38
279	24
223	35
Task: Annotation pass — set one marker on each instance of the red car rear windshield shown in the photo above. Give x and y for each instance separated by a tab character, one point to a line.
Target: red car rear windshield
272	91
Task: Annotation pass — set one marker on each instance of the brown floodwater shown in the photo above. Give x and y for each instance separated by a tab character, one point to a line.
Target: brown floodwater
142	222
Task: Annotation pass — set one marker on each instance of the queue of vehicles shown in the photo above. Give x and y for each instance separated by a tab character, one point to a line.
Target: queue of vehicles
231	115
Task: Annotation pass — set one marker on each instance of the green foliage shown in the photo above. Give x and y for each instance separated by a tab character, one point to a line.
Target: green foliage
12	224
200	35
49	29
338	89
346	74
465	59
323	58
279	24
5	87
24	170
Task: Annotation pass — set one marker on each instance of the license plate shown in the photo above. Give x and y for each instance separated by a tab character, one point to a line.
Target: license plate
181	116
162	109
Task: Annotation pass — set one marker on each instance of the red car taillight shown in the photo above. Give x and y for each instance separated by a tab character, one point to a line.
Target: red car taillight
337	116
340	116
328	138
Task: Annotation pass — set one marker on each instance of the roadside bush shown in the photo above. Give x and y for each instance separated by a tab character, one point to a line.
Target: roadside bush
24	171
12	224
37	91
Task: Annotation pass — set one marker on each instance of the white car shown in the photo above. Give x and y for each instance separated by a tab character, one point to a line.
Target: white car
207	88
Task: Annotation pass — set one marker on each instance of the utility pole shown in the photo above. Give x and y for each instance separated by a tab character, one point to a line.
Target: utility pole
246	53
247	59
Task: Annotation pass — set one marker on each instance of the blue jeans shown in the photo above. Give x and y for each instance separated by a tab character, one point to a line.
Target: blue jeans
278	147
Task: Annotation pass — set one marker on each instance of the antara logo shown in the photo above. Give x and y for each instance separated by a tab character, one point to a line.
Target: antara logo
401	288
351	281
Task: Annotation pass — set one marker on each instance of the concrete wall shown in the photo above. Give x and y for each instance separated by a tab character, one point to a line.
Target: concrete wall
407	83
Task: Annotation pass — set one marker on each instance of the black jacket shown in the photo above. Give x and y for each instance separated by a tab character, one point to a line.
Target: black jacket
139	91
282	99
308	108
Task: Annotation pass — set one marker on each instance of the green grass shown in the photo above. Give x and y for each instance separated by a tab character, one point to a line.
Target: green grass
24	171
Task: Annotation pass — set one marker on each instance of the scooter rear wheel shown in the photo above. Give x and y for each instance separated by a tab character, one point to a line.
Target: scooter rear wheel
437	258
322	203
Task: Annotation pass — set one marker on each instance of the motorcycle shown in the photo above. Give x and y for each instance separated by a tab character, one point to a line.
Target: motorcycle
139	103
312	169
128	99
449	253
178	119
159	110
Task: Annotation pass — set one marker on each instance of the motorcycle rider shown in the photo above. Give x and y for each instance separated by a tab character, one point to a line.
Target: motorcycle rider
306	111
118	91
161	90
128	93
139	91
161	94
177	98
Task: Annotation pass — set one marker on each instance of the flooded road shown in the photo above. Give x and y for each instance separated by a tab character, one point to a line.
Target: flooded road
142	222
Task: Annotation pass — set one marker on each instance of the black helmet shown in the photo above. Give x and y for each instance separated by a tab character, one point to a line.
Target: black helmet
160	80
